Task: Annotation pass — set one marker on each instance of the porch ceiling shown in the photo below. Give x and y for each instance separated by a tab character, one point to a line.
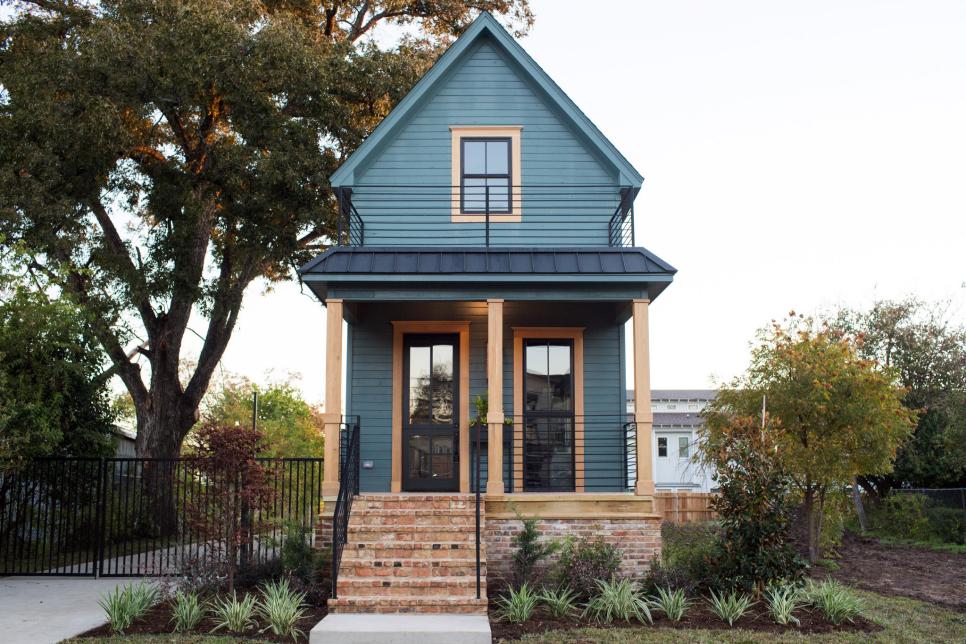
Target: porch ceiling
530	273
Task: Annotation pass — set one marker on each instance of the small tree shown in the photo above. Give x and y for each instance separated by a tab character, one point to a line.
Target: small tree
230	512
836	415
530	552
753	502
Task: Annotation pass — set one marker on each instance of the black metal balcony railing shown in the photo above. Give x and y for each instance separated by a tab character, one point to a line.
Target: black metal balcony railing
521	216
588	453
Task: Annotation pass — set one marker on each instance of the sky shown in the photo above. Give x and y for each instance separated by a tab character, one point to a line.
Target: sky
797	156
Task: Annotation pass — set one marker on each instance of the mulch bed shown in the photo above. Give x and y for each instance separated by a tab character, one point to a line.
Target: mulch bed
158	621
696	617
909	571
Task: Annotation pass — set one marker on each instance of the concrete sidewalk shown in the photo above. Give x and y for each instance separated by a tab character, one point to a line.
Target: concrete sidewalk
43	610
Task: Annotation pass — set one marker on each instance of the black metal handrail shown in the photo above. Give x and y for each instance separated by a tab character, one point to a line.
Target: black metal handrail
348	489
515	215
478	494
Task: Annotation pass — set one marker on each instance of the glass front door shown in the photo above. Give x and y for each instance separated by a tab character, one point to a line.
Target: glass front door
548	416
431	413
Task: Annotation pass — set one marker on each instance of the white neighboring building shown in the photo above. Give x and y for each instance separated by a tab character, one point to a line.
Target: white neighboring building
677	418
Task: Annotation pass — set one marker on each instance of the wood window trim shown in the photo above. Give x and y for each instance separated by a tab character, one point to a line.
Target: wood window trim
399	330
512	132
576	334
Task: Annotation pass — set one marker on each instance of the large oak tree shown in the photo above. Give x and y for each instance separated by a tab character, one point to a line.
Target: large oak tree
159	156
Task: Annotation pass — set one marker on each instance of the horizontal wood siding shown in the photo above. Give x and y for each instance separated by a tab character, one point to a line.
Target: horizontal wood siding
486	88
370	374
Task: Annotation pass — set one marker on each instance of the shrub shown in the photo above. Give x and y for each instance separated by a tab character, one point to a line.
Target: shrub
688	552
754	505
561	602
530	551
233	614
673	603
677	577
836	601
903	516
517	606
296	554
730	606
783	600
584	562
282	608
948	525
617	600
187	611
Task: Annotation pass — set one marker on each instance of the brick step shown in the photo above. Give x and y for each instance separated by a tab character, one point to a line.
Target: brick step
412	550
442	587
372	604
369	569
417	517
404	522
365	503
365	534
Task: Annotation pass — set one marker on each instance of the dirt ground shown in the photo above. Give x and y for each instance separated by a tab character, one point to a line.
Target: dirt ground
929	575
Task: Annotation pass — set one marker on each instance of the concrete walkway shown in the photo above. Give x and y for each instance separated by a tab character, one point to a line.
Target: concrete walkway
43	610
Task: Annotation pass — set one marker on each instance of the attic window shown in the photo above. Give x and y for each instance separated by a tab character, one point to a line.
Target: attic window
486	173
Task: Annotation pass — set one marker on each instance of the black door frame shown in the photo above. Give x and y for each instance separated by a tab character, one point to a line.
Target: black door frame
431	485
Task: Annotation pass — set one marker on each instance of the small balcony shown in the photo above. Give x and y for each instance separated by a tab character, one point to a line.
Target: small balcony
525	216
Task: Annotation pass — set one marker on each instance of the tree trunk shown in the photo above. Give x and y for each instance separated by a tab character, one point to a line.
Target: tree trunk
161	431
814	526
859	508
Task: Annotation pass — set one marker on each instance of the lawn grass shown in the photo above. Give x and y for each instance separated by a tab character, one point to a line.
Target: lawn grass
941	546
904	620
171	638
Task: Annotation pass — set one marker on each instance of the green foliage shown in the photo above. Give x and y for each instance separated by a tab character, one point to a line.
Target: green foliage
517	605
783	600
584	562
673	603
617	600
753	504
833	415
561	602
122	606
297	556
282	608
926	346
836	601
914	517
160	156
292	427
186	611
233	614
729	606
529	551
54	400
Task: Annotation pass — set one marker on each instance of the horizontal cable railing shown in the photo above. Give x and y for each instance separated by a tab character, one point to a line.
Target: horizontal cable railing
565	453
563	215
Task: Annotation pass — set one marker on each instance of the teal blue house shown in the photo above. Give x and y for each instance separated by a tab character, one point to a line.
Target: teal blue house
487	254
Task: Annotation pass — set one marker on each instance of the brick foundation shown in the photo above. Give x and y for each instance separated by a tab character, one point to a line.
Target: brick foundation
639	540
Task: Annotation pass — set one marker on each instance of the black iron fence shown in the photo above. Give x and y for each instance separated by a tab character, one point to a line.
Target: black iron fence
144	517
505	216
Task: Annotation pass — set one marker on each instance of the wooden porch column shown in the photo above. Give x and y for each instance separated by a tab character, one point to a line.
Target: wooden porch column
332	418
494	378
642	399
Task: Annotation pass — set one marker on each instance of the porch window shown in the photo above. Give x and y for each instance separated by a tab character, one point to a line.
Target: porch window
548	419
485	176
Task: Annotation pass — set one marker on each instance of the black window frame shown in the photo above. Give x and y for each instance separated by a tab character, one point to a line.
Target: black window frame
563	414
508	176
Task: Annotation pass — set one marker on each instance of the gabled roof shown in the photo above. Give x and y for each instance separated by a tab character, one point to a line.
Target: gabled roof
487	25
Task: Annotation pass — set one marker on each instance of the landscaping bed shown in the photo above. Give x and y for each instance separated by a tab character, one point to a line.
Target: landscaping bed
698	617
157	621
909	571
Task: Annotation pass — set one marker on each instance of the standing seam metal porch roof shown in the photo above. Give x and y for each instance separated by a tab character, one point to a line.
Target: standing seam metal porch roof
489	261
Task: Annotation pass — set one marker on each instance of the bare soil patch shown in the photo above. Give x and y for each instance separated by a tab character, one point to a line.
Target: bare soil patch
907	571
